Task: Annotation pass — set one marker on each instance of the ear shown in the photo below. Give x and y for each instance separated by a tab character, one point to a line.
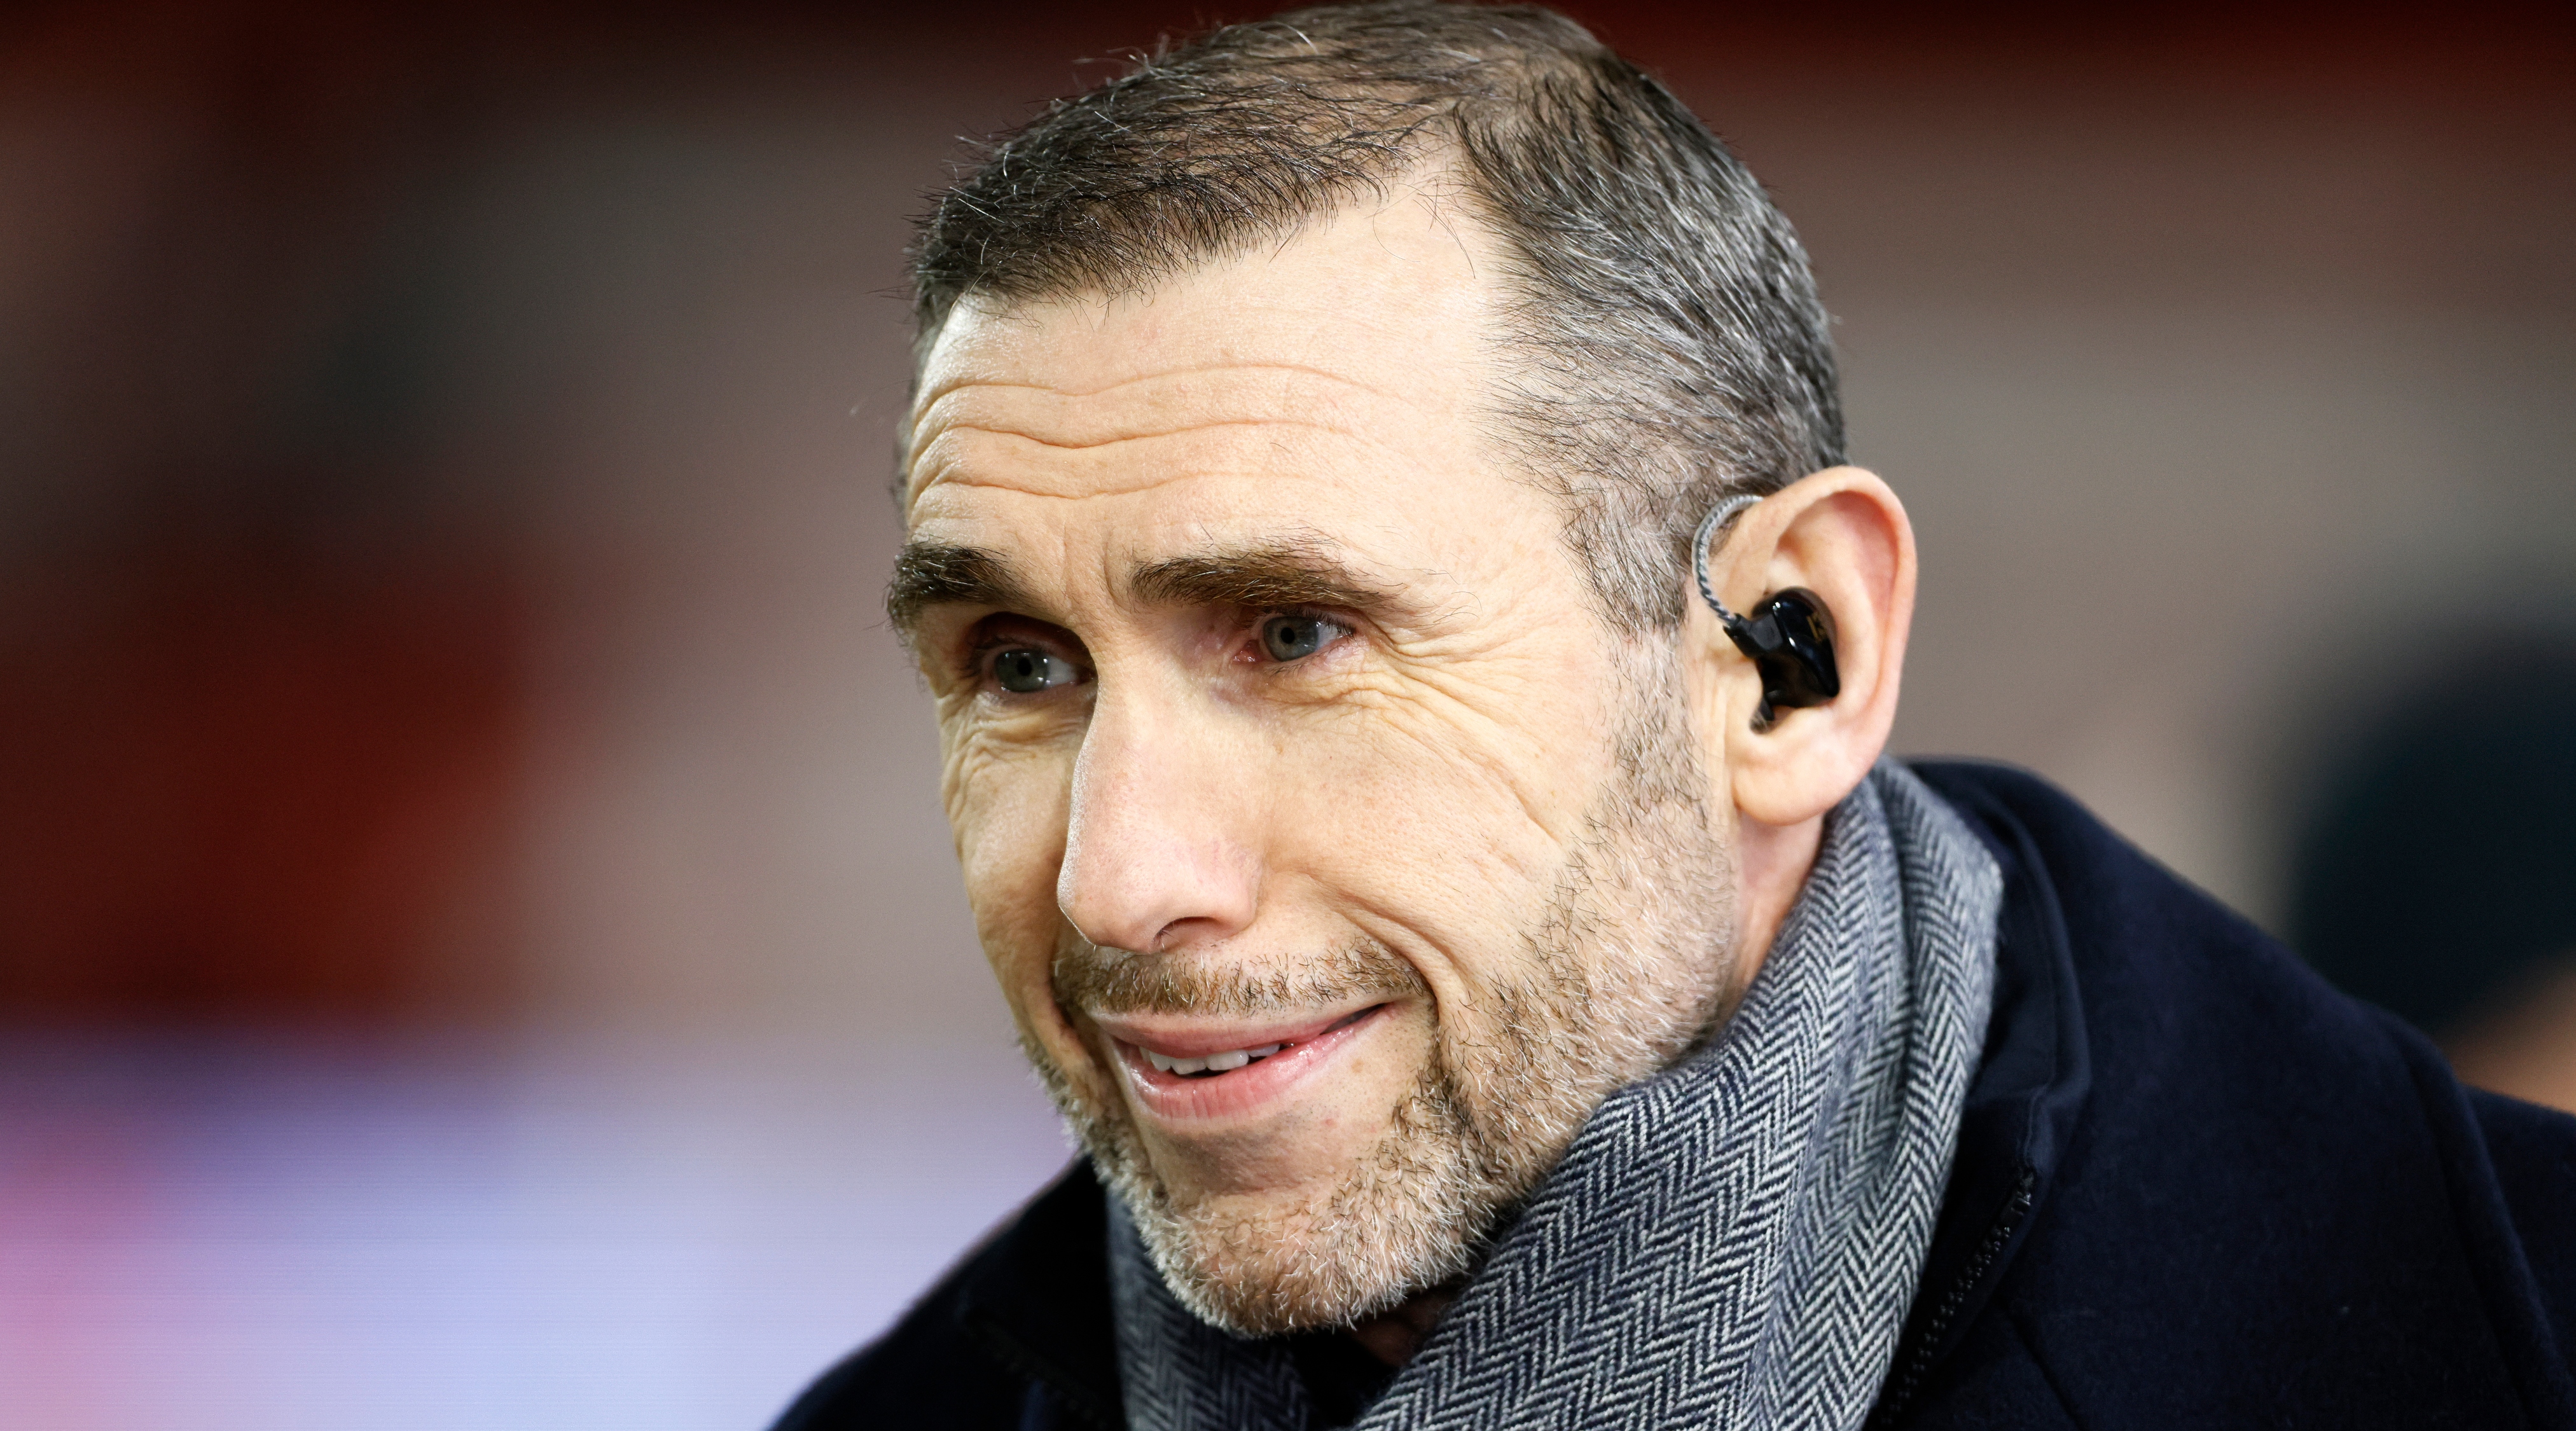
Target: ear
1843	535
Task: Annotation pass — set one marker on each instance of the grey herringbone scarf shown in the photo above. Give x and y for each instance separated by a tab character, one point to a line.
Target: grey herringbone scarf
1733	1242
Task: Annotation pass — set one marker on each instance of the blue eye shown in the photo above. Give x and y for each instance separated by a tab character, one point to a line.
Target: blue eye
1292	638
1026	670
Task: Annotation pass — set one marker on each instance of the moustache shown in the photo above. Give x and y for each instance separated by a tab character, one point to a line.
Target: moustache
1096	979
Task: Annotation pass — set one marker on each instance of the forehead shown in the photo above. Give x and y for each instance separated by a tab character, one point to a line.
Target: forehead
1338	370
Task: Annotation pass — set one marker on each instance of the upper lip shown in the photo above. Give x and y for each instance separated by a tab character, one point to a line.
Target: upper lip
1190	1036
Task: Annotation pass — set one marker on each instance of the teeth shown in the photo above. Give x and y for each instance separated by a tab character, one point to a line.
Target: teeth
1225	1062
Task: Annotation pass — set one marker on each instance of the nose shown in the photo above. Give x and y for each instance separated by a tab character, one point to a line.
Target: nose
1157	855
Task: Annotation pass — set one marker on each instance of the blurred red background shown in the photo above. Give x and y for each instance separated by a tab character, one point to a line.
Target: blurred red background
334	427
478	942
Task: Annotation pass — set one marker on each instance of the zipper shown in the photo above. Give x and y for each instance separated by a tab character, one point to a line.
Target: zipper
1946	1311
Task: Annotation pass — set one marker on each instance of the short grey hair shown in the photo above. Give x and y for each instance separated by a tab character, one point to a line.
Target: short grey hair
1669	346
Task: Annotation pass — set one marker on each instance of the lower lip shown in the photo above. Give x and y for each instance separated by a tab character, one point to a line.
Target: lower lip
1251	1089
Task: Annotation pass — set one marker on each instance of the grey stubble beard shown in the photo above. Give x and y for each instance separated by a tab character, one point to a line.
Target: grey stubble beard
1489	1115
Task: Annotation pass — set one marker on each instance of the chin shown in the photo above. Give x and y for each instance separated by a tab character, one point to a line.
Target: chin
1408	1213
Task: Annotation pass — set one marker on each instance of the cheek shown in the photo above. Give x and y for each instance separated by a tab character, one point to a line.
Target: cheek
1007	805
1429	842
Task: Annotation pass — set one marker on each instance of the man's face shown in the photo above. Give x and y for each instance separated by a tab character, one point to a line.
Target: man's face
1334	857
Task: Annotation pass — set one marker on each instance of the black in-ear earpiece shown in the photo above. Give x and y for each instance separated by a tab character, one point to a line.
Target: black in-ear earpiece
1789	638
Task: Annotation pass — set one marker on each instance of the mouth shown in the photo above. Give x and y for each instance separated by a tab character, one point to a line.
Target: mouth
1186	1070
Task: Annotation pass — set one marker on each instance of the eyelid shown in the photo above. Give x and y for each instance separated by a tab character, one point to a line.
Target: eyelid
990	638
1334	614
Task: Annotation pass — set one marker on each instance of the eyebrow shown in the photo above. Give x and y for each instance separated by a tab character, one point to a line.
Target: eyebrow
1281	574
928	574
1295	573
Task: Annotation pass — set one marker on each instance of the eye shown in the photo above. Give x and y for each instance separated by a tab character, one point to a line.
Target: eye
1026	670
1293	637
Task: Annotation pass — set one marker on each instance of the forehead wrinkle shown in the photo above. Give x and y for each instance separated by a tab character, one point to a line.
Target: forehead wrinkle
978	457
1009	435
1046	416
923	404
1178	395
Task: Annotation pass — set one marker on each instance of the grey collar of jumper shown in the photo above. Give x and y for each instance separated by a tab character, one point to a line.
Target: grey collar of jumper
1733	1242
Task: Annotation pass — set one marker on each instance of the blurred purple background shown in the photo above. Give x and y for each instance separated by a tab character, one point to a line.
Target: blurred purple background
478	944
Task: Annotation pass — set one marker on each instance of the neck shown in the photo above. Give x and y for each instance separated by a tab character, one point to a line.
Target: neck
1394	1336
1771	862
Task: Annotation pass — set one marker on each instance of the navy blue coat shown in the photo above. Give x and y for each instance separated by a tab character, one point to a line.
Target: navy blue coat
2195	1186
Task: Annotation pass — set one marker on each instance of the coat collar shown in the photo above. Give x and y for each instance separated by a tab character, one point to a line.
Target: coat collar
2029	1093
1036	1299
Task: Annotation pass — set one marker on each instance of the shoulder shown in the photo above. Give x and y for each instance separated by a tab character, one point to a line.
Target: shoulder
2276	1204
1017	1335
2530	1156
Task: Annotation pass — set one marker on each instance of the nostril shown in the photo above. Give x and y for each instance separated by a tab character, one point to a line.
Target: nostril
1185	931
